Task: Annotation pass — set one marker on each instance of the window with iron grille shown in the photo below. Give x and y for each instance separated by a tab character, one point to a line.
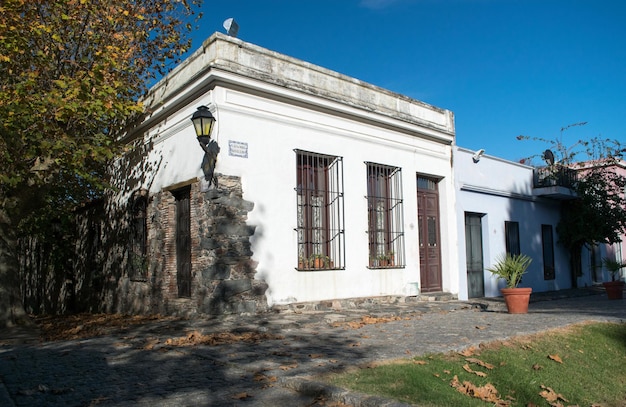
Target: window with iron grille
319	194
138	270
385	216
511	232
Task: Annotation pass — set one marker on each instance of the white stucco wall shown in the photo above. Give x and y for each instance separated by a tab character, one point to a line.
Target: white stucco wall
271	118
502	191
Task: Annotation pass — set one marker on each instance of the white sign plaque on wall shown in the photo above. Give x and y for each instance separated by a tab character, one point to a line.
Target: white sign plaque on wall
237	149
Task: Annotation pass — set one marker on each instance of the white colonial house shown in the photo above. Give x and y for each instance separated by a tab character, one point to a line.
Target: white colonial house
326	188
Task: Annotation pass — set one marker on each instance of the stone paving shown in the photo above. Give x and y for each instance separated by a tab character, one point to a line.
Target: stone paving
137	367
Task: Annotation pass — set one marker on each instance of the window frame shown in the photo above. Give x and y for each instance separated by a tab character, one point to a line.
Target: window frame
511	236
320	211
385	216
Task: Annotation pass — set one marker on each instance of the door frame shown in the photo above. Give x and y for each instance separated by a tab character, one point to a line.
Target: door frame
432	189
182	198
479	216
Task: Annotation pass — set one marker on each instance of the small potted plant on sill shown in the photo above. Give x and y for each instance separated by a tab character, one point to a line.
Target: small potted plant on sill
388	259
303	263
373	261
615	287
320	261
511	268
382	261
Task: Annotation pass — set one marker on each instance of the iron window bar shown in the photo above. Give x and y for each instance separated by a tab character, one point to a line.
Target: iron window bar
320	211
385	202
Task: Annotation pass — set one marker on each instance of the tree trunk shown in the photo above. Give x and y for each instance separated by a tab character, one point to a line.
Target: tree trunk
11	308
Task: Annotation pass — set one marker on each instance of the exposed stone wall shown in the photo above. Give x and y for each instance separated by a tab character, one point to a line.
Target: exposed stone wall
98	277
222	271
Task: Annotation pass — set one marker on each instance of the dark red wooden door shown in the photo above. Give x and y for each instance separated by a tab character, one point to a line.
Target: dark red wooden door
429	236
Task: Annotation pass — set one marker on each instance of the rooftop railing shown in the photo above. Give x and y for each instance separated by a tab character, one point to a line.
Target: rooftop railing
554	175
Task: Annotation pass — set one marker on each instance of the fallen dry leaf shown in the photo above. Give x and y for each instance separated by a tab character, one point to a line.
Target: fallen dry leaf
556	358
537	366
271	379
480	374
82	326
469	352
480	363
241	396
288	367
468	369
367	320
197	338
420	362
150	343
487	392
481	327
551	396
260	377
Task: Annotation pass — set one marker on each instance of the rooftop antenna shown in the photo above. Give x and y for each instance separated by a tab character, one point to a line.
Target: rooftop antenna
231	26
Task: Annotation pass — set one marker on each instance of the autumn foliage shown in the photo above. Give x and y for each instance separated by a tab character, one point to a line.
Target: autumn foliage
72	74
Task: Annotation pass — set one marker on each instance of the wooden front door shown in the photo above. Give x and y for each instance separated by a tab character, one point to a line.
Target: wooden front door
474	255
429	236
183	242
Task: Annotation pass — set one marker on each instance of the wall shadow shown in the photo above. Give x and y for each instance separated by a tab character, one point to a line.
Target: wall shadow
132	368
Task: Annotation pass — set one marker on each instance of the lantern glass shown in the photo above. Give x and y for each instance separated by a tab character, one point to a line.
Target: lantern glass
203	122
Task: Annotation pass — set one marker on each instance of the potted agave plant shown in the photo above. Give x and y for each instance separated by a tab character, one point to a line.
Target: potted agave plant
615	287
511	268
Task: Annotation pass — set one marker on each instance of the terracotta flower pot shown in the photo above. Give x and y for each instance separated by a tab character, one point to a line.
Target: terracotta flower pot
614	289
516	299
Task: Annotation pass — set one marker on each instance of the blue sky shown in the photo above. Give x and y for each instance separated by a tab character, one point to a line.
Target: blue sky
504	67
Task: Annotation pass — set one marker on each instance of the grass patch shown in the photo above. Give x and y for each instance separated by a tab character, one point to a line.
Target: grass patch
581	365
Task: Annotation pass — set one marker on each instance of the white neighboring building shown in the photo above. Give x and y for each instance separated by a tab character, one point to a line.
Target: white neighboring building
500	210
329	167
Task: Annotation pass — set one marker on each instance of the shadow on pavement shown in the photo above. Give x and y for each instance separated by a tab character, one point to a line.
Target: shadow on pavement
137	368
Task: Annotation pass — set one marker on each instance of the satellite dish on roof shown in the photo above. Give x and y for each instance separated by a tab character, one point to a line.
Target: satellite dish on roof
548	157
231	26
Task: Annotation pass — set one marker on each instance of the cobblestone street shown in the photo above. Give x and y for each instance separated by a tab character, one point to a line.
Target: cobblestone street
139	366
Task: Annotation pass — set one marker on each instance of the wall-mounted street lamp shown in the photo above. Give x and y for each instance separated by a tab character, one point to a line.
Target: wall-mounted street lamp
203	122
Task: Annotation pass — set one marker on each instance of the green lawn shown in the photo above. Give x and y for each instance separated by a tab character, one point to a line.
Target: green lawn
583	365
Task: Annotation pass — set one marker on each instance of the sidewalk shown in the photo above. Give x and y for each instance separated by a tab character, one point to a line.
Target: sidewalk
151	365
